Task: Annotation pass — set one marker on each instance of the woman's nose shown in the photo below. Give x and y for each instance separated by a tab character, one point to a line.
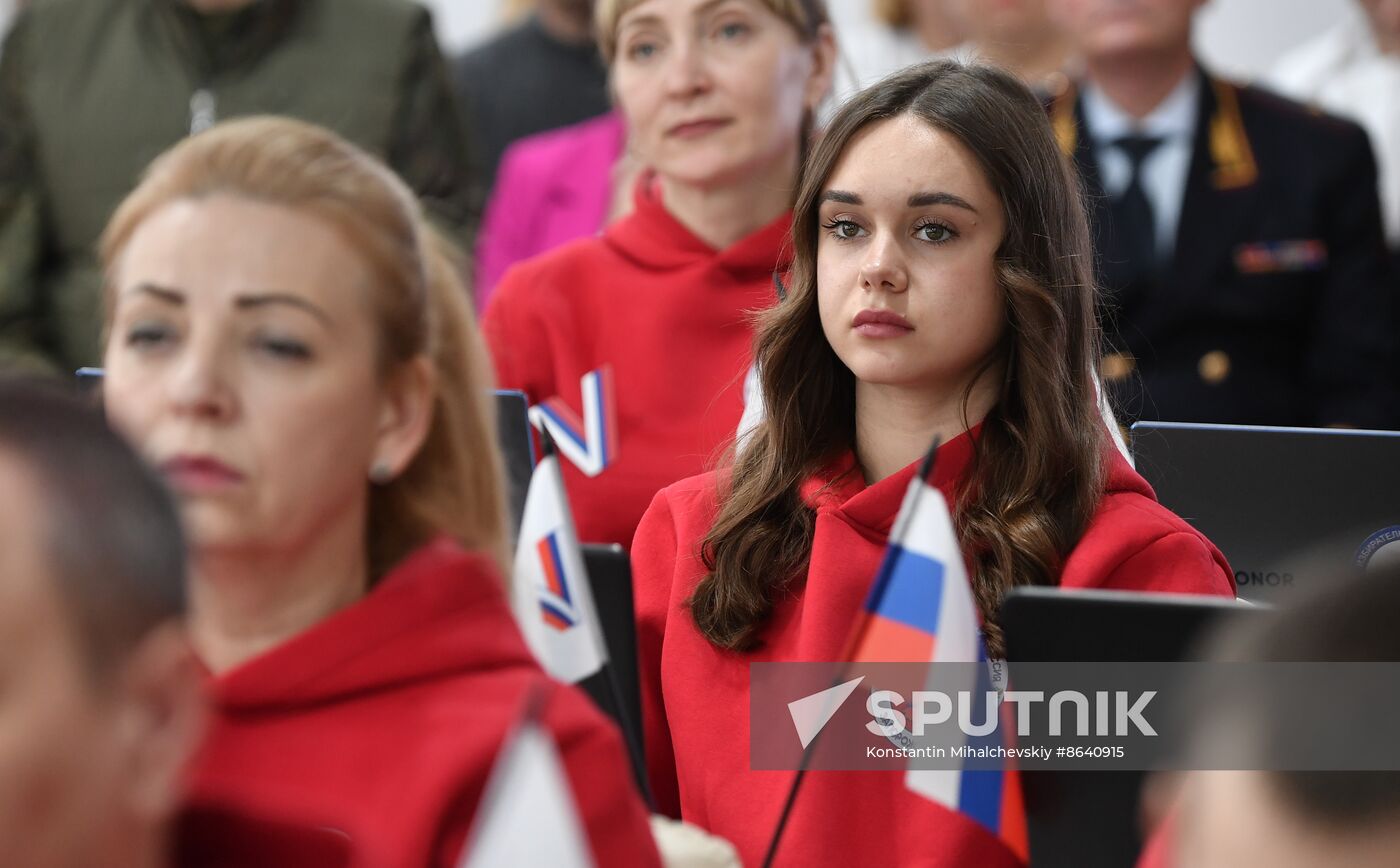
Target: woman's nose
883	269
687	73
201	383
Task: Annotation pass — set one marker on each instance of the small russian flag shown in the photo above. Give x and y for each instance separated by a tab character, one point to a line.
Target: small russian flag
920	609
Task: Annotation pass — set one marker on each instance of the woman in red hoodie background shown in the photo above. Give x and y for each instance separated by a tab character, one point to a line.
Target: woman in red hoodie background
941	287
290	344
718	98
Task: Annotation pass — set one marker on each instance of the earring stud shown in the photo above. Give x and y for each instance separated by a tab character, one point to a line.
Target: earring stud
381	473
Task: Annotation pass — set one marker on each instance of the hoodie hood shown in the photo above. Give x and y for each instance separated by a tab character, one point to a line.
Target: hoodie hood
655	240
441	612
839	488
1121	478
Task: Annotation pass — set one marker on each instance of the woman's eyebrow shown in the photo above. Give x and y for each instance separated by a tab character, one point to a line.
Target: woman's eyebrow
923	200
252	300
918	200
162	293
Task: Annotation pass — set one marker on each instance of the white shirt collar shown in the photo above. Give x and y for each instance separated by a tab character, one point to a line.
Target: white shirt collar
1173	118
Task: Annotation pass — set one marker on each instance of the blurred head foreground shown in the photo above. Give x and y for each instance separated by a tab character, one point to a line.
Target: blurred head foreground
98	697
1292	819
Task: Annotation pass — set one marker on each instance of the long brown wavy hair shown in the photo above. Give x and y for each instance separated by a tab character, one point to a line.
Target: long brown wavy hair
1038	466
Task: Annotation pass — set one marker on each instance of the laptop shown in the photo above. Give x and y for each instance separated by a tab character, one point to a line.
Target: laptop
1289	507
517	442
610	578
1092	819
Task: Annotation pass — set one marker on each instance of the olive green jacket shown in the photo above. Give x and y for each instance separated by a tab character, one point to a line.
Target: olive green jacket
92	90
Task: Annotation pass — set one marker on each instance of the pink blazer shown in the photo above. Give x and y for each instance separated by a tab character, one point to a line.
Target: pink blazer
552	187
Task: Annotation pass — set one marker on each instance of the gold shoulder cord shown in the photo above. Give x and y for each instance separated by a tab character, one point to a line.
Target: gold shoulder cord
1062	120
1229	145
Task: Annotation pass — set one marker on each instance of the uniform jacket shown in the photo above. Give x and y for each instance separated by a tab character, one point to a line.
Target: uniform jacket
91	93
695	696
1276	307
670	315
382	722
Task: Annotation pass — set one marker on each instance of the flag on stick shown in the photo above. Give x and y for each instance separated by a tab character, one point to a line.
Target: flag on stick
550	593
921	608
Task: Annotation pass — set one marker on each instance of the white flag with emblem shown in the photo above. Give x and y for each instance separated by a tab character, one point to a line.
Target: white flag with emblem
550	594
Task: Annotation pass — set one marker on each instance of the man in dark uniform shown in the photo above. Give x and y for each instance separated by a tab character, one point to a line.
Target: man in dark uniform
1239	235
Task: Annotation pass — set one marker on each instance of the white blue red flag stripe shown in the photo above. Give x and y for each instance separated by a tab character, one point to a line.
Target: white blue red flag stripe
590	443
921	609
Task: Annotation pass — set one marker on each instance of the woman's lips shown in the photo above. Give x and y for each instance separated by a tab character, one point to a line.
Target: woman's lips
697	129
200	474
881	324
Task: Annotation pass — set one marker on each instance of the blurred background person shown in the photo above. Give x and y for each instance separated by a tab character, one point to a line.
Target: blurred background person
293	349
562	183
552	188
91	92
541	74
719	99
1017	35
879	37
1239	234
1354	70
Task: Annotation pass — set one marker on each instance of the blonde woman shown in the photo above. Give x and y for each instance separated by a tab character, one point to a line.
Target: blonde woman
719	99
291	347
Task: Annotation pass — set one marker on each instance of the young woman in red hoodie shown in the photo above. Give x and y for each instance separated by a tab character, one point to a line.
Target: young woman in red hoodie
941	286
718	99
292	347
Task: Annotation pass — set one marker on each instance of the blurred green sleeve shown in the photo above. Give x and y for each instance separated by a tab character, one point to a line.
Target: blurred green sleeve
21	309
429	147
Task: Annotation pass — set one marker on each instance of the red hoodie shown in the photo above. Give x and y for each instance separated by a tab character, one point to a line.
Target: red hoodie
670	315
382	722
695	696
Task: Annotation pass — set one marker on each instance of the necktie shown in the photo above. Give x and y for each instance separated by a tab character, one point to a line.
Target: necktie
1134	225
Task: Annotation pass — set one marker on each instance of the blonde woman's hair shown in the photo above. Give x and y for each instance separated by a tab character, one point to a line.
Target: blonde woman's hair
805	16
454	485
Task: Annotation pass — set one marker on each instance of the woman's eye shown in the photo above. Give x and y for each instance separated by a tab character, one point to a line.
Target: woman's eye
283	348
935	232
149	336
843	229
642	50
732	30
